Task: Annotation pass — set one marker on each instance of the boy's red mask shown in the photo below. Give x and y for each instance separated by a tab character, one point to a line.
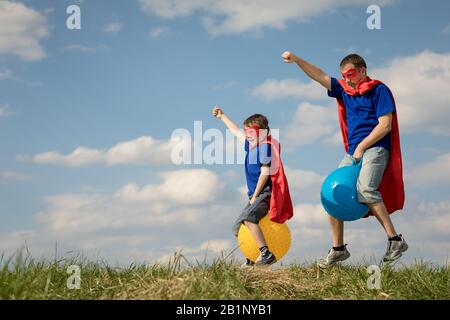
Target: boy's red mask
252	131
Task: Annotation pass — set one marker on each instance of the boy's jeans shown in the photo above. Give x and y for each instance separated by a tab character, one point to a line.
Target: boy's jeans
374	162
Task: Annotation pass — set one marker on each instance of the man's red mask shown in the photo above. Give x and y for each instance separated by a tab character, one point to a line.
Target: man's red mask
351	74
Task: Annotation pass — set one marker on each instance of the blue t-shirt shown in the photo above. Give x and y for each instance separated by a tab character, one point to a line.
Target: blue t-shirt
254	159
363	112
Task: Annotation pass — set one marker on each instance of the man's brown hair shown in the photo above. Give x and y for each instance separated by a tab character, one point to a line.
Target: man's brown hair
258	119
355	59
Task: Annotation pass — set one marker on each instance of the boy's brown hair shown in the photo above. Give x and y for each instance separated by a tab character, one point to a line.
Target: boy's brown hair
257	119
355	59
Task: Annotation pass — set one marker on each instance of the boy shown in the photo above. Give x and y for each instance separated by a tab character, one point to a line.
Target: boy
266	182
369	127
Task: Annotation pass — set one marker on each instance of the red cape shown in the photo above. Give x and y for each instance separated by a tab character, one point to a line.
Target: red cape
391	187
280	200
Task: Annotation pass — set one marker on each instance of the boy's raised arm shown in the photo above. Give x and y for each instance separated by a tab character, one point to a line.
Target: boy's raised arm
219	114
311	70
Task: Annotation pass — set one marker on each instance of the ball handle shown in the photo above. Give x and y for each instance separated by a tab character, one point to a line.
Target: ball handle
356	163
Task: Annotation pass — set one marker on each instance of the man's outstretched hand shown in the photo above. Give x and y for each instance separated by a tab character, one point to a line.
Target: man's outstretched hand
289	57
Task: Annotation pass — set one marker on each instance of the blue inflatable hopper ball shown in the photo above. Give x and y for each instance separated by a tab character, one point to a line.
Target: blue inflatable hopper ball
339	195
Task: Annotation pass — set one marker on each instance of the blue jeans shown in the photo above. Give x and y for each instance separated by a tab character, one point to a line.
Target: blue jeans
374	162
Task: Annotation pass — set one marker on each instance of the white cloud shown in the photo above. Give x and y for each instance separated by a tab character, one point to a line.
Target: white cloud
310	215
436	215
113	27
276	89
304	185
196	186
12	175
5	111
229	16
21	31
184	197
158	32
79	157
311	123
420	86
143	150
335	140
436	171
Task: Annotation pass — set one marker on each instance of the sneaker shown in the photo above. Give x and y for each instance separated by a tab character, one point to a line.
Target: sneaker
247	264
395	249
333	257
265	259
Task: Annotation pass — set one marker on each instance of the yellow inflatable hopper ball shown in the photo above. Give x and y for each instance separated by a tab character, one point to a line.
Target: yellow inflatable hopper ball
278	238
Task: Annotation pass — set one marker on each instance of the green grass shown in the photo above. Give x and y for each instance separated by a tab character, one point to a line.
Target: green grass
25	278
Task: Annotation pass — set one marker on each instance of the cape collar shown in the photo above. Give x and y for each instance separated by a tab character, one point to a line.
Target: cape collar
362	88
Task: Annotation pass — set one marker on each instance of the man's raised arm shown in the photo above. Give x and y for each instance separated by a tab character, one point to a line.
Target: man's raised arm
312	71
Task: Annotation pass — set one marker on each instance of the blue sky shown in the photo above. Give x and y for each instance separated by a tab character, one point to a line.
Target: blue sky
140	69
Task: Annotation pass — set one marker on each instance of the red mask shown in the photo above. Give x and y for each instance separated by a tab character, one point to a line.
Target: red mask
252	131
351	74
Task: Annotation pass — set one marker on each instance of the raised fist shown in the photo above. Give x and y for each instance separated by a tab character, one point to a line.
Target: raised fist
217	112
288	57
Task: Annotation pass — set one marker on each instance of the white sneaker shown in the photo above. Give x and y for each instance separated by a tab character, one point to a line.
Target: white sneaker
395	249
333	257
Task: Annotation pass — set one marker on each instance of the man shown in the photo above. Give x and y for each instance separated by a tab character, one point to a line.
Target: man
370	132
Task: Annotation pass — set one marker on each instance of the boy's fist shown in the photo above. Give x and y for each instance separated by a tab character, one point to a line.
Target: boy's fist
289	57
217	112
